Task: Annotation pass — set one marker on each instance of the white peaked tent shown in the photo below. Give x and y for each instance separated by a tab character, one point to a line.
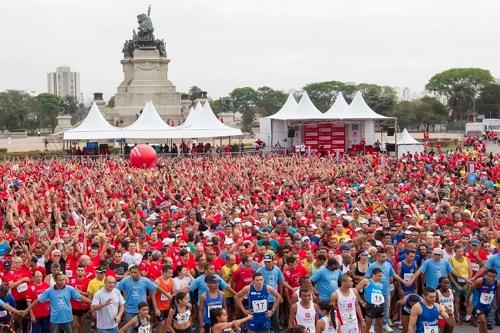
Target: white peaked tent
407	144
149	125
358	109
192	114
286	110
339	109
93	127
205	124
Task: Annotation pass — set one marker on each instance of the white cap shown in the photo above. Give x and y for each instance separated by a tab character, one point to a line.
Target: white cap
167	241
247	224
228	241
237	220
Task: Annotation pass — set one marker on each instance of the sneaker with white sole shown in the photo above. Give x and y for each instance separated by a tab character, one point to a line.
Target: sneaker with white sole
372	330
388	328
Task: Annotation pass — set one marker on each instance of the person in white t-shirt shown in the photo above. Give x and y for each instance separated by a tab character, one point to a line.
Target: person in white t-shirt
109	305
132	257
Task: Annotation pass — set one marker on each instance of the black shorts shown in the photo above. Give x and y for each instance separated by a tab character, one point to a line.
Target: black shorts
163	315
405	311
374	311
80	313
22	304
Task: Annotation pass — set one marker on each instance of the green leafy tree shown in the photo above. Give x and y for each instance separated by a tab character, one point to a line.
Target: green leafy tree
323	94
461	87
16	108
269	101
194	92
423	112
50	106
489	101
382	99
245	101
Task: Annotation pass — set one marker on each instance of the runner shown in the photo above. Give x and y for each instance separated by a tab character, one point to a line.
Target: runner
328	323
213	298
161	302
141	322
374	299
406	304
258	306
220	322
304	312
345	301
483	293
424	315
179	315
446	297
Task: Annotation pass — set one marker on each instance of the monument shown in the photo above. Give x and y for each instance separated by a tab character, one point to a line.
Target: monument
145	68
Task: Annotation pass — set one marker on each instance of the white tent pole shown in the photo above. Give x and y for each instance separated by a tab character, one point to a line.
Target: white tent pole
396	138
271	145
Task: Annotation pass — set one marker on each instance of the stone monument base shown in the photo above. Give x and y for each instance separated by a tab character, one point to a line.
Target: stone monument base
63	123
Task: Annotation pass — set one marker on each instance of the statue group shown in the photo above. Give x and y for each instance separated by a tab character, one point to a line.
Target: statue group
144	38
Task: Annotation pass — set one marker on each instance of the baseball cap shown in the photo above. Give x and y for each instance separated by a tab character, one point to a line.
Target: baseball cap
100	269
449	242
437	250
305	238
210	279
475	242
228	241
267	258
247	224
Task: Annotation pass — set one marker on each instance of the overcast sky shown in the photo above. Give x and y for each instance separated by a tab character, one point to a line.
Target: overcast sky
223	44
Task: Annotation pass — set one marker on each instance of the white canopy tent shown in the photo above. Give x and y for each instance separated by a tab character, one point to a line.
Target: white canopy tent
205	124
149	125
93	127
358	109
406	144
339	109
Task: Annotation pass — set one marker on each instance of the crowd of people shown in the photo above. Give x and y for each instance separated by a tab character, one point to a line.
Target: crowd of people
347	244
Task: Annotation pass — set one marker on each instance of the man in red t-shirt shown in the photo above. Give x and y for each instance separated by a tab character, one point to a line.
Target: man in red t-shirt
40	313
80	308
243	276
18	279
293	272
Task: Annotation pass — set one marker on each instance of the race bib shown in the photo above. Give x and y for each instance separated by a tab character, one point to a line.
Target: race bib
69	273
408	276
164	298
461	280
213	306
144	329
431	329
348	317
486	298
22	287
183	318
259	306
475	267
377	299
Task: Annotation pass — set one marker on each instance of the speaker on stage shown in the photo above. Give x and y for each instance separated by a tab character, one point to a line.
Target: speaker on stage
390	131
291	132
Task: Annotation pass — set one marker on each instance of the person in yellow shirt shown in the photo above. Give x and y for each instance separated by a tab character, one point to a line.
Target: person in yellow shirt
308	261
227	274
340	233
96	283
462	272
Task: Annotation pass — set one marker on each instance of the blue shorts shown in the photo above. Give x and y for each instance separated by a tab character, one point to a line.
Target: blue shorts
481	310
259	324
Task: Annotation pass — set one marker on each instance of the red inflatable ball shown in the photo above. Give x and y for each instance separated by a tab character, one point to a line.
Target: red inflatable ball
143	156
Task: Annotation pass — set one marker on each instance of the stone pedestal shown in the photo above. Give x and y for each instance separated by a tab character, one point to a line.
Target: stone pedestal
145	79
63	123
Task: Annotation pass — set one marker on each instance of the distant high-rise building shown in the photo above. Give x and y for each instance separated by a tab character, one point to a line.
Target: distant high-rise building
497	80
406	94
63	83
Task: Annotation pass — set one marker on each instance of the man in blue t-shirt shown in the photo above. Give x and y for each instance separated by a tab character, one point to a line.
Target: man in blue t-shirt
200	284
326	279
61	312
388	274
134	288
433	269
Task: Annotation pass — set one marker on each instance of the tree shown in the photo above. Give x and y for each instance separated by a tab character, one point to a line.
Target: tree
461	87
323	94
423	112
195	92
245	101
489	101
269	101
50	106
16	107
382	99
